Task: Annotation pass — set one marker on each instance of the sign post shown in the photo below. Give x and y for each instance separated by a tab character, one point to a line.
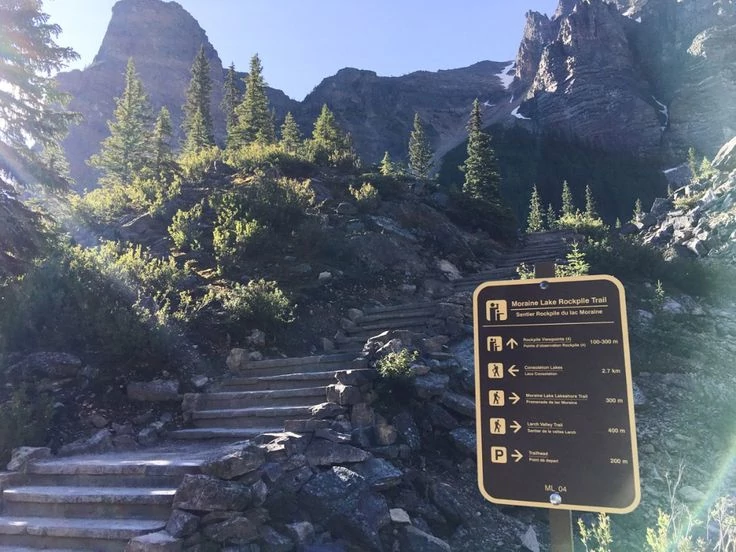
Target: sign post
554	398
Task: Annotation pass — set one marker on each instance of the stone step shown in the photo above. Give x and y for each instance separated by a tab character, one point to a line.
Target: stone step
24	549
428	311
151	503
277	367
369	330
100	535
222	433
369	311
243	399
249	417
286	381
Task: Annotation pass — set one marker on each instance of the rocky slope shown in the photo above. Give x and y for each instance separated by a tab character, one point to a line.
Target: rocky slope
699	219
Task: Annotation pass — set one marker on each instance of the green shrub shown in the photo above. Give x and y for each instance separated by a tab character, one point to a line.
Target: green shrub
102	205
260	303
581	223
152	194
185	229
366	197
397	365
197	165
113	300
233	240
24	421
255	157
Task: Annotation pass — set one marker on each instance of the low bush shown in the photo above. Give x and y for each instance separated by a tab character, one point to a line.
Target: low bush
185	229
256	157
366	197
258	304
397	365
116	301
197	165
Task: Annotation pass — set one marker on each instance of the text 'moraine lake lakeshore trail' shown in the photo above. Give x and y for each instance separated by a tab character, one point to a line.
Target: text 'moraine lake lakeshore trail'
554	399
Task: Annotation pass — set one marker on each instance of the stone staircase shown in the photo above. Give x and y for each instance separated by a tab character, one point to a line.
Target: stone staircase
537	247
92	502
416	317
99	502
268	393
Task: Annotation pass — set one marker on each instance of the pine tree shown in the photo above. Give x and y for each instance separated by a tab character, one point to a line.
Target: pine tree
230	99
568	207
329	143
481	171
126	152
387	167
31	108
551	217
291	136
254	119
163	157
534	222
197	123
638	210
420	154
590	210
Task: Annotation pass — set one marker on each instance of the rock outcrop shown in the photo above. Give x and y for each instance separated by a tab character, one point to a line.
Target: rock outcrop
163	40
645	77
699	220
379	111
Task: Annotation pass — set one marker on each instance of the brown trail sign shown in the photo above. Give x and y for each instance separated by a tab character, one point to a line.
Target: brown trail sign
554	400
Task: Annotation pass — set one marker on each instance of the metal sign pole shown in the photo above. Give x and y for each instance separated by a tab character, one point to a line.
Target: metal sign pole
560	521
560	530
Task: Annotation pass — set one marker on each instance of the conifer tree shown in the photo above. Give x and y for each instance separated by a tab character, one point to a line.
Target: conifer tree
420	153
291	136
387	167
230	99
590	210
534	222
163	157
568	207
197	123
254	119
328	140
638	210
32	114
126	152
481	170
551	217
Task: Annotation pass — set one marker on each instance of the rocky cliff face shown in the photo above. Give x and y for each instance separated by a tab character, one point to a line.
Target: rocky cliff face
379	111
647	77
163	40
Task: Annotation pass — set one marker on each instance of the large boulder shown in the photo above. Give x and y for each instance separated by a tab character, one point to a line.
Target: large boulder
725	160
245	458
342	499
321	452
202	493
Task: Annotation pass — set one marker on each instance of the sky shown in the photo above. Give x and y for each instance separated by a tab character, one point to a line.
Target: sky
301	42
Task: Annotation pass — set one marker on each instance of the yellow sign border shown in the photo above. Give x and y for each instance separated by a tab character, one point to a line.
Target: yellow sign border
629	392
